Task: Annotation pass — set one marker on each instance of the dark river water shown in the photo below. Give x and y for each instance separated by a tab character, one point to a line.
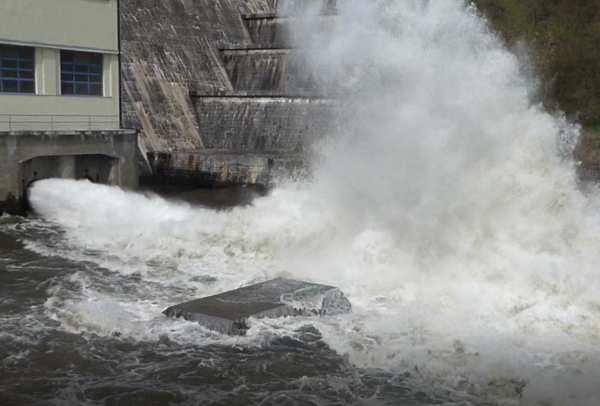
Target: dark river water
44	363
444	204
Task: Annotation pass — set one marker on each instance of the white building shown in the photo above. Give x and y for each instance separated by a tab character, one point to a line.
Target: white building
59	65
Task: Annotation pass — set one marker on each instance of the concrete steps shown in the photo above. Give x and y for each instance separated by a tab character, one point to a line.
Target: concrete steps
257	69
269	30
279	71
266	118
197	74
273	31
265	124
275	105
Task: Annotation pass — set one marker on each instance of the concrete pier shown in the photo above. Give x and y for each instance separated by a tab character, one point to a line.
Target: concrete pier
228	312
106	156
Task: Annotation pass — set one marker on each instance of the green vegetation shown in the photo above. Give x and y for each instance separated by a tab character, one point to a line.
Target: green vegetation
564	39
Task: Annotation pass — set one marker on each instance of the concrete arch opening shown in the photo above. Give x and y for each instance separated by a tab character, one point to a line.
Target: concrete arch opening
93	167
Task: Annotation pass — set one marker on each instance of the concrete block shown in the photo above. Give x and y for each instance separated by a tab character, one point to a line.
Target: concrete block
228	312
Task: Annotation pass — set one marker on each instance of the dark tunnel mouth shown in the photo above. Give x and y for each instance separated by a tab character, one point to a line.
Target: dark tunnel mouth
26	203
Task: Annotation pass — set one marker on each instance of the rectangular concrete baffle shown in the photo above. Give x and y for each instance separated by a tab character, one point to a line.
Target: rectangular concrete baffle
228	312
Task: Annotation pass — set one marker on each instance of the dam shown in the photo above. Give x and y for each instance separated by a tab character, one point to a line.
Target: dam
212	92
446	212
220	89
203	92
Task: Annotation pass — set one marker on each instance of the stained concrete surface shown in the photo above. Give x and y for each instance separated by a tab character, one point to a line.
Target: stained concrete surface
214	93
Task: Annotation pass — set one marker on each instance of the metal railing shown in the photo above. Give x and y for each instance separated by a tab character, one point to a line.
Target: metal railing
57	122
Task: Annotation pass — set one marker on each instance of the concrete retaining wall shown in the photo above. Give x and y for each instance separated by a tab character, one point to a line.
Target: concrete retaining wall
102	156
286	125
273	71
201	79
291	31
169	49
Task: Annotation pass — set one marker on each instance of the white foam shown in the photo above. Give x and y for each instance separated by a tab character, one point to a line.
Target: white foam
444	208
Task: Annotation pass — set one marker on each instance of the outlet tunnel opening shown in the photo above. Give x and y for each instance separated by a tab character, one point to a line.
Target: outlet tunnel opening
95	168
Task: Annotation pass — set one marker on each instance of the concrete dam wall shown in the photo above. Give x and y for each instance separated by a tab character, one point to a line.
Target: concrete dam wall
219	88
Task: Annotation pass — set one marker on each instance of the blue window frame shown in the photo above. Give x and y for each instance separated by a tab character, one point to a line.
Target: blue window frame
17	73
81	73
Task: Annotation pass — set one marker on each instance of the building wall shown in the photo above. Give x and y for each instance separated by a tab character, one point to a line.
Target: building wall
48	110
49	27
75	24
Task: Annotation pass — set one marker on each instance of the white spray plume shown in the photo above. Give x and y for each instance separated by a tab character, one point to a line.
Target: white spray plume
444	207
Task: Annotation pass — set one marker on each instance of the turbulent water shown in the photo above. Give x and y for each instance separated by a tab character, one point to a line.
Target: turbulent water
446	207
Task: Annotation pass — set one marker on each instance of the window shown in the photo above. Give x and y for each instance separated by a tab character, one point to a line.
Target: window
17	69
81	73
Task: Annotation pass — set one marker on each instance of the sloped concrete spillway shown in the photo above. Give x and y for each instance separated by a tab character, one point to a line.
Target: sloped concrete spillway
228	312
221	89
